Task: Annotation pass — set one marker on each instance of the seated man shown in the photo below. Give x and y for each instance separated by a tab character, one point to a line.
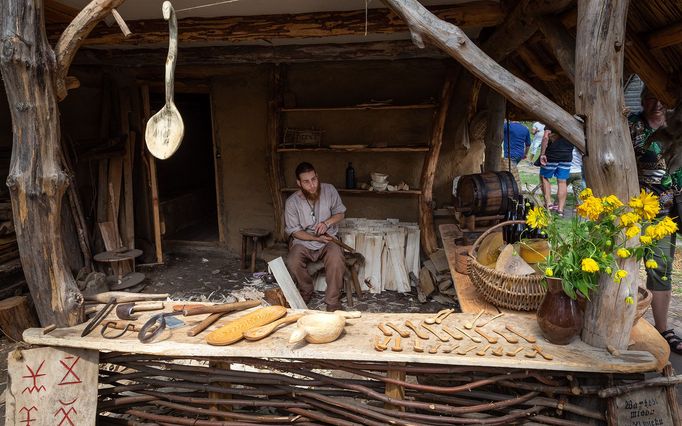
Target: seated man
310	217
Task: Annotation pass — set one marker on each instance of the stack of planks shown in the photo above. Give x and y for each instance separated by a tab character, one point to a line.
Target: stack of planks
435	280
391	251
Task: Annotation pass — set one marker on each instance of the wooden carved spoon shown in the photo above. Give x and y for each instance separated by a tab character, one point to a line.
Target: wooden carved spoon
165	129
265	330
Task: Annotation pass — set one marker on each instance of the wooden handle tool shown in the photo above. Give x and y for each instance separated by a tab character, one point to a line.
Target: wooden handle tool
491	320
440	336
509	339
264	331
473	338
416	330
472	324
529	339
403	333
124	296
453	333
203	325
222	308
490	339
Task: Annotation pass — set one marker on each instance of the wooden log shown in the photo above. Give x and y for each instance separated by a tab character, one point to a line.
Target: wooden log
535	65
240	29
16	316
424	26
37	182
429	241
609	168
496	106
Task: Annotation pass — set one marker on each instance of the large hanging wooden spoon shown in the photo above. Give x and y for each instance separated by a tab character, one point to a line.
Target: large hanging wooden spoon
165	129
266	330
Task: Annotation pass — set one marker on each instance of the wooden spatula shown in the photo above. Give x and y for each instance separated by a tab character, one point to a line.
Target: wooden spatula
264	331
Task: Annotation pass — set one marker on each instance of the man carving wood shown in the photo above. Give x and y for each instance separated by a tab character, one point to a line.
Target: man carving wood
311	216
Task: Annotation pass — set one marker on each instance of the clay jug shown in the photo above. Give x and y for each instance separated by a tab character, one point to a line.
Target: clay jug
560	317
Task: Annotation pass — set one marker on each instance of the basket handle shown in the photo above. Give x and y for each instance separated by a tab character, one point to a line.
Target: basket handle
479	240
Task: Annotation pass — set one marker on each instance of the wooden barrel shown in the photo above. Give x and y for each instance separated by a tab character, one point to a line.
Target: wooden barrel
486	194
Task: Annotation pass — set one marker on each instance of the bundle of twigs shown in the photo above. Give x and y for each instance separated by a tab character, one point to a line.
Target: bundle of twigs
143	388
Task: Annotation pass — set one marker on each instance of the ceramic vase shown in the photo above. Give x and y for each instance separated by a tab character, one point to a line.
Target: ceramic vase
560	317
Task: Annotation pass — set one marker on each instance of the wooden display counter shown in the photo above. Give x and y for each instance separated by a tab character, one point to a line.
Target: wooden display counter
644	336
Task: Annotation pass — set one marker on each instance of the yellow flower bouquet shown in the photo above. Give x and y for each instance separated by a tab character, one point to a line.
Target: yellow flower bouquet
597	239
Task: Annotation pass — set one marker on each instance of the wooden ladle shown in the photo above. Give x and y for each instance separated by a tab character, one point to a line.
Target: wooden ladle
264	331
165	129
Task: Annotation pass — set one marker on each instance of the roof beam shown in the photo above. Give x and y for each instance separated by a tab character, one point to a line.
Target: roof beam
303	25
665	37
536	67
56	12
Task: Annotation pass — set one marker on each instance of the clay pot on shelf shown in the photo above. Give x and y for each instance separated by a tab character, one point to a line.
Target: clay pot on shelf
559	317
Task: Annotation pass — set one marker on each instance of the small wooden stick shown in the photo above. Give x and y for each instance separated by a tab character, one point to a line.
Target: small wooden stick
450	348
472	324
434	348
452	333
416	330
402	333
491	319
440	336
444	315
490	339
532	354
473	338
381	346
513	353
546	356
469	349
484	350
121	23
384	330
510	339
499	351
396	345
418	346
529	339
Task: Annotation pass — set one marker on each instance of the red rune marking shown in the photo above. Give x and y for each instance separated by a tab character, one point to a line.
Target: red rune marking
69	372
67	415
67	403
28	418
34	376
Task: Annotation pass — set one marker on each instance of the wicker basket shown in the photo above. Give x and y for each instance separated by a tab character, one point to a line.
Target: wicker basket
517	292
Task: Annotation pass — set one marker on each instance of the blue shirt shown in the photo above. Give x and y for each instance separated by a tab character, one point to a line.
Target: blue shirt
519	139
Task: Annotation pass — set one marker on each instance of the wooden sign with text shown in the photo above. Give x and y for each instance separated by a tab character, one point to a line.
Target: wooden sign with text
49	386
645	407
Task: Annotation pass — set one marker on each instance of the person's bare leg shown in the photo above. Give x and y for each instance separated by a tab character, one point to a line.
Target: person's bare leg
562	192
660	302
546	191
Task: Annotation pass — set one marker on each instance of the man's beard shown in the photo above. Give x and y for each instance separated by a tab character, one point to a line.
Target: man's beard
312	196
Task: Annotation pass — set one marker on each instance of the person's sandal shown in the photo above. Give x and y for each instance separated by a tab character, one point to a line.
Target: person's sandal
560	213
673	340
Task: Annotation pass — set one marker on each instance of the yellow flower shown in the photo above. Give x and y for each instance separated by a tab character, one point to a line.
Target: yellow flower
646	205
632	231
619	275
644	239
629	300
608	270
591	208
589	265
628	219
665	227
549	272
623	253
611	203
651	264
585	194
650	231
537	218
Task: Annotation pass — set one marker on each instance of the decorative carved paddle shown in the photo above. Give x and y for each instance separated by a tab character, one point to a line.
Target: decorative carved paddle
165	129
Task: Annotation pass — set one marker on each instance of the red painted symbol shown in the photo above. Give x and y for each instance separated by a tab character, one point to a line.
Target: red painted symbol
28	418
69	372
66	415
34	376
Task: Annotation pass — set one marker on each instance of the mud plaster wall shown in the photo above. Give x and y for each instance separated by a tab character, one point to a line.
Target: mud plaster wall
239	108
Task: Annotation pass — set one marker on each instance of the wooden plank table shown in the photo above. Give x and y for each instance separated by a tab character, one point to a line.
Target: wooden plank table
644	336
357	344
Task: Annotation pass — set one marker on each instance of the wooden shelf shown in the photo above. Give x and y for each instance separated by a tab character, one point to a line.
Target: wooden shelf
410	192
359	108
420	148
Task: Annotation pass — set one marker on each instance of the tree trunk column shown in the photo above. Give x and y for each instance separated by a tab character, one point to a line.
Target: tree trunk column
36	180
610	165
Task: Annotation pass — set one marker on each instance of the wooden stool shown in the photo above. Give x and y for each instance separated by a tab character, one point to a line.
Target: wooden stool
257	236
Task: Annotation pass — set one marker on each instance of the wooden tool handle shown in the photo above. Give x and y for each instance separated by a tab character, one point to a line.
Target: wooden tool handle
124	296
203	325
153	306
227	307
264	331
180	308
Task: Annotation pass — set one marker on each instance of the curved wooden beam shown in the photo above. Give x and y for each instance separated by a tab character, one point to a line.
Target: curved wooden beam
450	38
428	231
74	35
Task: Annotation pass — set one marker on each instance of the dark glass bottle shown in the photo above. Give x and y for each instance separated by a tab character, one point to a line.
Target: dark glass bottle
350	176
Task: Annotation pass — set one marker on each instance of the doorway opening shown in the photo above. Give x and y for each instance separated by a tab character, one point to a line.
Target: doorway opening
186	180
